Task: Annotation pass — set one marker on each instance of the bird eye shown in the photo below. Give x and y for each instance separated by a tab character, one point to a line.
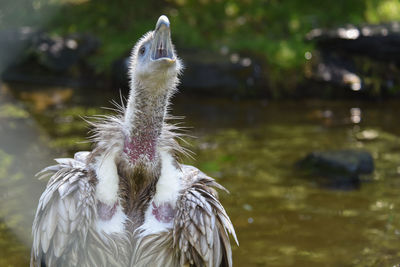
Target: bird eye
142	50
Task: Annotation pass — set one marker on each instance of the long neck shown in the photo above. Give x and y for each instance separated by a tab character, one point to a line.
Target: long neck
144	119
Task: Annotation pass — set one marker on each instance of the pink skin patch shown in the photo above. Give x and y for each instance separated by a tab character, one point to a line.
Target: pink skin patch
143	145
164	212
106	212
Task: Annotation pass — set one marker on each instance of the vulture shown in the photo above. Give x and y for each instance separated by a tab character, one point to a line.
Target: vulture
130	202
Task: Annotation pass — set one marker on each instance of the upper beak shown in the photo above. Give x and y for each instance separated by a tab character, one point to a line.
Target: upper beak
162	21
162	45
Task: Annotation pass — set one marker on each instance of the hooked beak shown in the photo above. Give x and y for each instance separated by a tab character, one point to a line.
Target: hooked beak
161	48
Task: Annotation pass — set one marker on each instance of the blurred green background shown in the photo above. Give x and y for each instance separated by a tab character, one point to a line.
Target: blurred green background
273	30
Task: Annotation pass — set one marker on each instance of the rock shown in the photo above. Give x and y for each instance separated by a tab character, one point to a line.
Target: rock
55	53
342	162
59	54
335	69
380	41
35	57
361	58
217	74
208	73
339	168
13	44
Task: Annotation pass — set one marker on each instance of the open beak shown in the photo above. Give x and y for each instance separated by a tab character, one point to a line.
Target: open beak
162	45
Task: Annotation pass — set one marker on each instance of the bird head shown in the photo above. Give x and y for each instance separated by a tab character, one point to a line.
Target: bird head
154	62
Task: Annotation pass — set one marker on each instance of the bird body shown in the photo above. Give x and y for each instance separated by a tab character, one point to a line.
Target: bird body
130	197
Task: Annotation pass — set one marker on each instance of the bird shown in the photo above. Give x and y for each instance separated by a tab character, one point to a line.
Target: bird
130	202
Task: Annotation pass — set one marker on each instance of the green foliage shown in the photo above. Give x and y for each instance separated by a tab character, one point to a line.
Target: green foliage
272	29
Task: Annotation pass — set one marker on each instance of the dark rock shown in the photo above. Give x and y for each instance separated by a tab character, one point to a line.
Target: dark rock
381	41
59	54
362	58
55	53
342	162
339	168
13	44
208	73
335	69
33	56
216	74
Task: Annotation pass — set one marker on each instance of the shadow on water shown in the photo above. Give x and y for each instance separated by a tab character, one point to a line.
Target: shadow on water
281	217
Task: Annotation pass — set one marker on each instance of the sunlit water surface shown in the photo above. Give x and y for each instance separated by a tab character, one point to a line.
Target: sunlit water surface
282	218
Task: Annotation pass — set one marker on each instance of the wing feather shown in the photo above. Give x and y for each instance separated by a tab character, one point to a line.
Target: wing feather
64	211
201	224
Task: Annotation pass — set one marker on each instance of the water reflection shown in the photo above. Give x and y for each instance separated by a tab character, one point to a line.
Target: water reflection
234	58
355	115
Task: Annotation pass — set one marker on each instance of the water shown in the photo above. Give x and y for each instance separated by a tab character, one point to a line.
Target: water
282	218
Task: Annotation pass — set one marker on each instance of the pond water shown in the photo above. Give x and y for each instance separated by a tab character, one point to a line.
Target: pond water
282	217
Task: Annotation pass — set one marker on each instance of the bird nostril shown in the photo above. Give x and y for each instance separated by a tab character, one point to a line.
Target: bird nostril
161	52
162	47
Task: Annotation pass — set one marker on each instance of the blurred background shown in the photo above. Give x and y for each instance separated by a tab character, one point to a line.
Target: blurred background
294	106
